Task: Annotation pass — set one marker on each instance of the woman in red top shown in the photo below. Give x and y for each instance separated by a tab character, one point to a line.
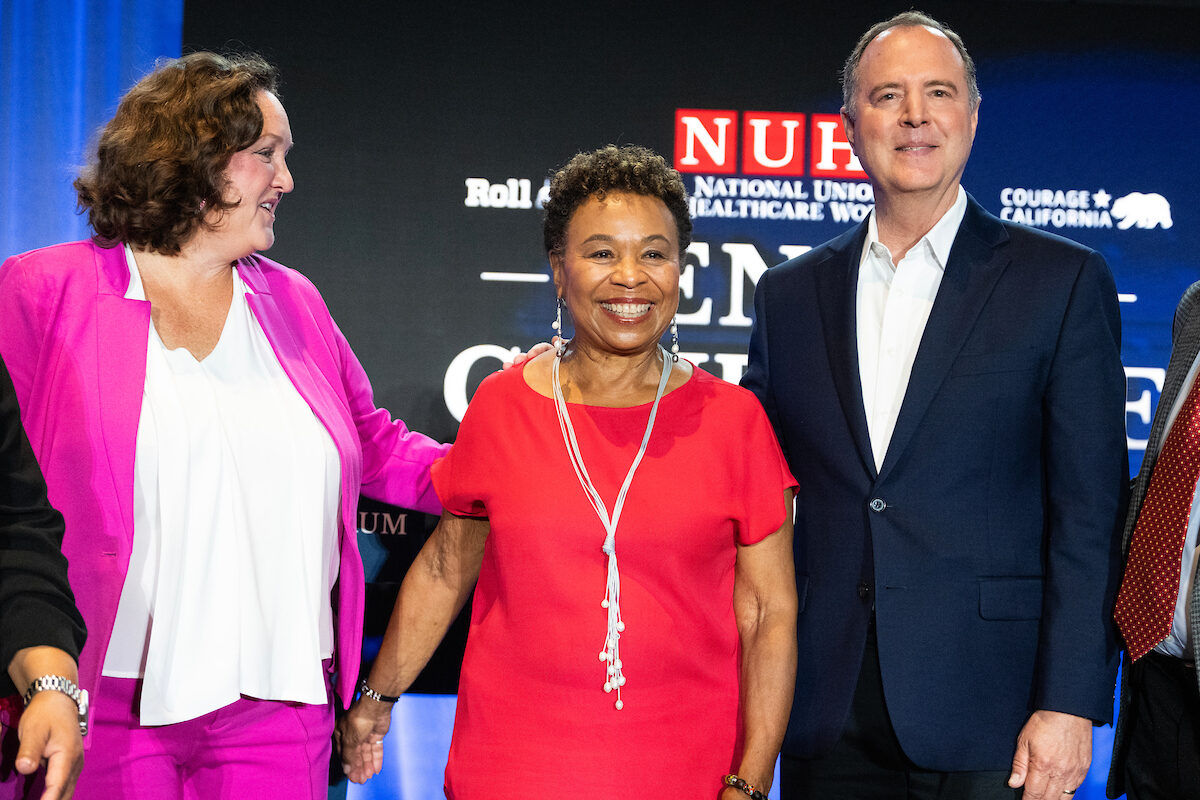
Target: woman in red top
625	521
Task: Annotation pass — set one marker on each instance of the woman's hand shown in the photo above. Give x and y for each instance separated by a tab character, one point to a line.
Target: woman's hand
359	737
534	352
49	734
433	592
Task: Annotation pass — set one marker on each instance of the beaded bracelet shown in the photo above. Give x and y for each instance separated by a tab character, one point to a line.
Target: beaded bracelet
367	691
745	788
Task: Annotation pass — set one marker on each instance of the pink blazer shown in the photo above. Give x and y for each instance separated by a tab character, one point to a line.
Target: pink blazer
76	349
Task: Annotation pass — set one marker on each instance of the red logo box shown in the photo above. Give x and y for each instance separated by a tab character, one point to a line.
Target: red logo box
772	143
705	140
831	155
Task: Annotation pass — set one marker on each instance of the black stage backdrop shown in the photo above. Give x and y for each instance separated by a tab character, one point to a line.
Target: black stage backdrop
425	131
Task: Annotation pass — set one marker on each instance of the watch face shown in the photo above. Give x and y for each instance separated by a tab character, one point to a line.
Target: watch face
83	712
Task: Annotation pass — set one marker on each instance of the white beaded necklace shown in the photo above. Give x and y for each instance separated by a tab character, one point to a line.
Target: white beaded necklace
611	654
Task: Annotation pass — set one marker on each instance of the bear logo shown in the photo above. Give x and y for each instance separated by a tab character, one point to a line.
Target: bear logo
1143	210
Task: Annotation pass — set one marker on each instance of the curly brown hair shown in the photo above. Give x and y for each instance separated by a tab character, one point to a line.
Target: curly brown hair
630	168
160	164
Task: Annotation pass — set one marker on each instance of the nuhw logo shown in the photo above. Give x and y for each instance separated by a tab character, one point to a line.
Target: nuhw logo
770	143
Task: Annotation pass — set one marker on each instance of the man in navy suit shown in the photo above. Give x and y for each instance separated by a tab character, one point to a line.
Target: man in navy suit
949	393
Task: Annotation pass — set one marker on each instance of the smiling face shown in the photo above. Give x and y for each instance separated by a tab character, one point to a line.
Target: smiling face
256	179
618	273
913	122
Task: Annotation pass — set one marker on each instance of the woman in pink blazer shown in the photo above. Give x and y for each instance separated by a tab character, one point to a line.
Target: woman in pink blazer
206	431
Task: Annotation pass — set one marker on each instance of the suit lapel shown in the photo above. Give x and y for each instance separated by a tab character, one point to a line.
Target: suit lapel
975	263
1183	352
288	350
1182	355
837	282
293	356
122	331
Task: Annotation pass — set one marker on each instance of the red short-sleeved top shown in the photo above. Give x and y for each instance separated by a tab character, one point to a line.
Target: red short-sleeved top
532	714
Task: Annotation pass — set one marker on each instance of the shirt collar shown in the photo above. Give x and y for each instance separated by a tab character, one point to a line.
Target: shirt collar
136	290
938	240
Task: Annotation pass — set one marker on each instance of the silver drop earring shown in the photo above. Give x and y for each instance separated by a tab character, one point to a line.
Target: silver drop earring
561	349
675	339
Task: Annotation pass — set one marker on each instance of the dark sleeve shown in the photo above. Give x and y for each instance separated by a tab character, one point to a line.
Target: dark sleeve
1184	310
36	603
1086	481
758	369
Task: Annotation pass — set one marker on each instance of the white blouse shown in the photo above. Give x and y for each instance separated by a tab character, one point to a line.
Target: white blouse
236	489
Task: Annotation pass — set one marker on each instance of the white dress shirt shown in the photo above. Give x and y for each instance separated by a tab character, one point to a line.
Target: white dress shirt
893	304
234	554
1179	642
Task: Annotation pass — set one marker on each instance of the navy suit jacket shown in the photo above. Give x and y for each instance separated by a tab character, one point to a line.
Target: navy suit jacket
987	542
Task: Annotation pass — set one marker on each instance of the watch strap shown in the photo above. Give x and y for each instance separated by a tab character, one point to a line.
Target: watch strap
57	683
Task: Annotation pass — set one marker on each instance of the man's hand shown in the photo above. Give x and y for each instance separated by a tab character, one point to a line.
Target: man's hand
359	737
49	726
49	733
1054	751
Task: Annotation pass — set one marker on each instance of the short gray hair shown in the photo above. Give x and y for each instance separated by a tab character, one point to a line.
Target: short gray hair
907	19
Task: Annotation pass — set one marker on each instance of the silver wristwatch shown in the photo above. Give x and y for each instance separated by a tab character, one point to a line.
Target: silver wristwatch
57	683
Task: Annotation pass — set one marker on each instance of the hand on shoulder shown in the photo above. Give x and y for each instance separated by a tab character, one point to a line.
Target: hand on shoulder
533	352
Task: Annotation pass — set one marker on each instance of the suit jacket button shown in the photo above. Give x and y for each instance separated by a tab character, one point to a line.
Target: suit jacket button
863	590
878	505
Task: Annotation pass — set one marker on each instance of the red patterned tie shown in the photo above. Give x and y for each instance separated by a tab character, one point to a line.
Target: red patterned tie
1150	588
